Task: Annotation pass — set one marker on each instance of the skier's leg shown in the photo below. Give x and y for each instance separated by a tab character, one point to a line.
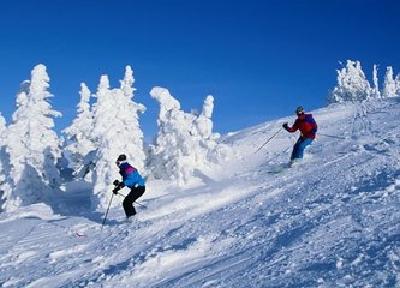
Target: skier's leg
137	192
128	205
295	150
302	145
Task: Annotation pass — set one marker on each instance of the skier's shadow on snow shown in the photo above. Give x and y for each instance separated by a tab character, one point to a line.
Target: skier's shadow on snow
96	216
76	203
82	211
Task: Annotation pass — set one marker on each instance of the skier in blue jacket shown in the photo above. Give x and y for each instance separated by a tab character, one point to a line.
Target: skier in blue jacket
132	179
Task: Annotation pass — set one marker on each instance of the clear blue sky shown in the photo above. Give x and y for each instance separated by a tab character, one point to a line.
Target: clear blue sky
260	59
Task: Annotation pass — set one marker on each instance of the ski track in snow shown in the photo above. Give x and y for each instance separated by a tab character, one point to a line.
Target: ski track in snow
332	220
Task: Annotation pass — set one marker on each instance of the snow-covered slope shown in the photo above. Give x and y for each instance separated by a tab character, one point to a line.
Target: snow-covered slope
332	220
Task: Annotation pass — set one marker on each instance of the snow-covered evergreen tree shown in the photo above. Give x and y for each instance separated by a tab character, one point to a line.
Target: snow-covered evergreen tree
397	84
351	84
203	127
32	145
389	84
5	188
78	136
375	93
204	124
2	126
185	141
127	84
174	154
116	131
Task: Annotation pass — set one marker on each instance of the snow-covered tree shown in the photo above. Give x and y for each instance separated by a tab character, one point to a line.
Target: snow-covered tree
173	155
375	93
185	141
203	128
351	84
127	84
5	188
32	145
2	126
78	136
204	124
389	84
116	131
397	84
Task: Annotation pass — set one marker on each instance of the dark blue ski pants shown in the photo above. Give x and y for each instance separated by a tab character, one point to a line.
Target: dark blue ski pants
135	193
298	148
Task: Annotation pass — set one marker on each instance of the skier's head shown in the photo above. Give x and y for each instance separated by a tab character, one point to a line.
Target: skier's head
121	158
299	110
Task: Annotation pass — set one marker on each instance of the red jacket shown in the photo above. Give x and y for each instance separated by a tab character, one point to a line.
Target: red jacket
306	124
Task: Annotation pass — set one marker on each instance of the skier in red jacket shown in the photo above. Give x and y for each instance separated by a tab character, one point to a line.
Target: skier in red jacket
307	126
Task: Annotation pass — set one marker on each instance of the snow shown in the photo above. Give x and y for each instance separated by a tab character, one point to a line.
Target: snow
330	221
37	211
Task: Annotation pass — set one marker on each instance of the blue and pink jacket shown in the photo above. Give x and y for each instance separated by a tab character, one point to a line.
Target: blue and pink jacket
130	175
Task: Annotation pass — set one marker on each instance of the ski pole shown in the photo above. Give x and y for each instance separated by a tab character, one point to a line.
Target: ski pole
269	139
120	194
105	217
144	206
331	136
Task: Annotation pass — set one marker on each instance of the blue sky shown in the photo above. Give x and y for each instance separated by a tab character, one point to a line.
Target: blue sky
260	59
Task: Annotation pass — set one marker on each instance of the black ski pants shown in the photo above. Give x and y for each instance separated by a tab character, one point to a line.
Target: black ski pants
136	192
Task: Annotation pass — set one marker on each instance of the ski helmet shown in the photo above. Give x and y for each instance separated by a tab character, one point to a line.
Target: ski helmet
299	110
121	158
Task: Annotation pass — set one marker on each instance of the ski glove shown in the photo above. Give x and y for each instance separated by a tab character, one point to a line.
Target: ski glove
115	190
285	125
118	184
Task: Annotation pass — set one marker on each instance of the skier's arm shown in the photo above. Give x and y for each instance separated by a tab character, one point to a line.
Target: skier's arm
294	128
